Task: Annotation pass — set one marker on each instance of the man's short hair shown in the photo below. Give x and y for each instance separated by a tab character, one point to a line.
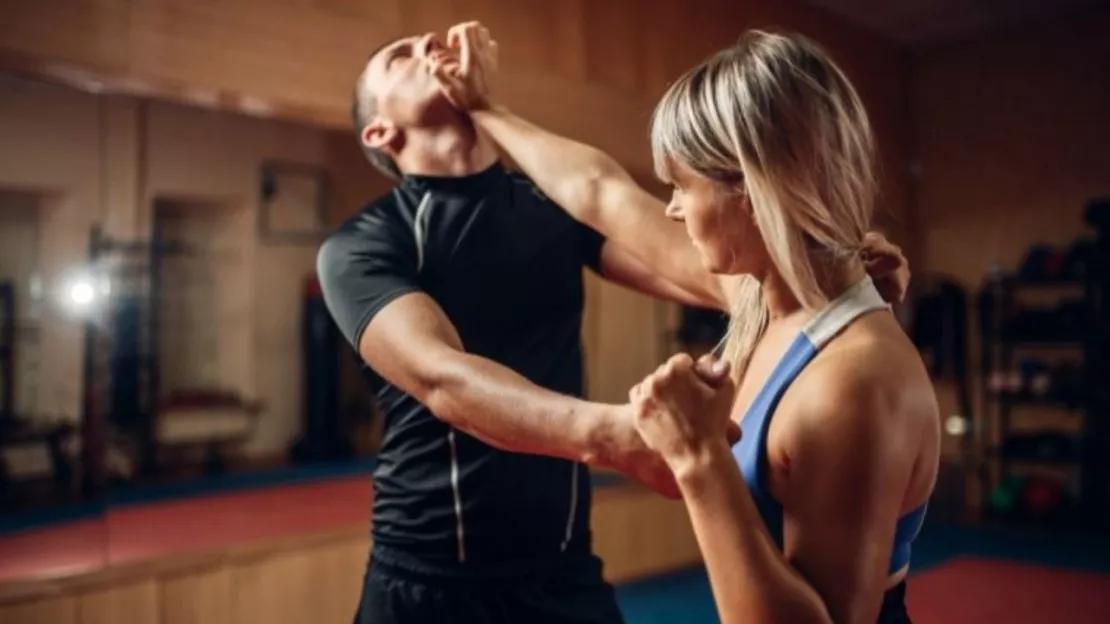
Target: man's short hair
363	108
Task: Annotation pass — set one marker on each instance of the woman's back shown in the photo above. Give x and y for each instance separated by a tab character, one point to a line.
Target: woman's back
898	443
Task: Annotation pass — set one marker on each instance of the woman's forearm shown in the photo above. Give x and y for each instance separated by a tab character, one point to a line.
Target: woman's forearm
752	582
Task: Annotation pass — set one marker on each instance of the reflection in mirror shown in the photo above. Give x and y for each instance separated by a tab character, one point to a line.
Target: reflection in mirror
50	178
168	369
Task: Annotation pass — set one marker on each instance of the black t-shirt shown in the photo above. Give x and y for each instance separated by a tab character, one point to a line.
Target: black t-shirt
505	264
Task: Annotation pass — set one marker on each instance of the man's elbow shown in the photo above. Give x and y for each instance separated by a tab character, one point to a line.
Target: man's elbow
441	389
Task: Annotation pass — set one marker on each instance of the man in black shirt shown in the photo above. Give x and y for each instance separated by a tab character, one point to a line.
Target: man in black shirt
462	290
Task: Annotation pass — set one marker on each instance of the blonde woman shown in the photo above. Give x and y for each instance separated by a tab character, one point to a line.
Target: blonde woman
768	149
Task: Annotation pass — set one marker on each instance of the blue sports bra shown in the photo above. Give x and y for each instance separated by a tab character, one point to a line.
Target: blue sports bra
751	451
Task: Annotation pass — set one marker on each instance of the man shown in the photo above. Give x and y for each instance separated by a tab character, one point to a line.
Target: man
462	291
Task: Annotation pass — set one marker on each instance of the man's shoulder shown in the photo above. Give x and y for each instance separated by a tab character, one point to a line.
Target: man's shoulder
377	227
382	210
527	184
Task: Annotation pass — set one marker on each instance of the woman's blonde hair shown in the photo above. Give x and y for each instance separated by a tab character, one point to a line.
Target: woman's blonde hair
775	112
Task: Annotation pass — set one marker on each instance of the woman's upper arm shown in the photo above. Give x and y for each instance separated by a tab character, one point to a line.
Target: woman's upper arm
619	266
849	464
635	219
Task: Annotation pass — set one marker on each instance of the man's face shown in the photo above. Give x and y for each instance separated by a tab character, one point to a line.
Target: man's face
400	77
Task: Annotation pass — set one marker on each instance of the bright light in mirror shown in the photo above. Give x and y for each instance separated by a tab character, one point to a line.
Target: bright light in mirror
82	294
956	425
82	291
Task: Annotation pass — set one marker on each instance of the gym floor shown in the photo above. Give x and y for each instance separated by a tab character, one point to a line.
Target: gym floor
961	574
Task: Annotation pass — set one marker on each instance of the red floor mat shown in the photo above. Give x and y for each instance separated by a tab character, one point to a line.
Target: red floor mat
985	591
191	524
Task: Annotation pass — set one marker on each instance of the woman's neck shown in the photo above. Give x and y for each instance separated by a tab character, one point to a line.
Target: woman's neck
831	280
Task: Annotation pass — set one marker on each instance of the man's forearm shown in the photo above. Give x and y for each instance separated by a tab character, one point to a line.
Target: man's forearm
505	410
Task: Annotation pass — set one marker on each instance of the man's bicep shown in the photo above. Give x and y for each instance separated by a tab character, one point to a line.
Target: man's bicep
407	342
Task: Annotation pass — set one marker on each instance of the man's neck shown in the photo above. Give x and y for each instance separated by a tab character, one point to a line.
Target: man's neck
450	150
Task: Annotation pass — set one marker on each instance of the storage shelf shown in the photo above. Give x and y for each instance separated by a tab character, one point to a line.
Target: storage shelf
1009	452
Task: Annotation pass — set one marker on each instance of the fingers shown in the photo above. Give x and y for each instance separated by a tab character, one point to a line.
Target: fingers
712	369
678	367
887	265
494	54
732	432
449	83
471	39
466	51
678	364
878	249
636	393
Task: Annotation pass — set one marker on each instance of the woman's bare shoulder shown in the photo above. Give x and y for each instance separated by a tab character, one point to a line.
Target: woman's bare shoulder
870	376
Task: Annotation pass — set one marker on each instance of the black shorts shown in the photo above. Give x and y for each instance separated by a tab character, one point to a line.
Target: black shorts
893	610
400	589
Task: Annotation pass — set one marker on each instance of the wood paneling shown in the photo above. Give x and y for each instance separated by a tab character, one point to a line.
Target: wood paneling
1012	135
614	44
203	597
638	534
274	589
41	611
565	64
298	579
89	33
125	602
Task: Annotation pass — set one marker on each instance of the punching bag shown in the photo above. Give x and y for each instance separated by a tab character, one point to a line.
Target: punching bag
322	437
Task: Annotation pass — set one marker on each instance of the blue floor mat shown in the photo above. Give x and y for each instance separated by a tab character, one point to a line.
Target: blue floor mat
680	598
684	597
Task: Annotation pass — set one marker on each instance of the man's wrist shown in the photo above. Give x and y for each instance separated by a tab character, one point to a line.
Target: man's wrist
602	432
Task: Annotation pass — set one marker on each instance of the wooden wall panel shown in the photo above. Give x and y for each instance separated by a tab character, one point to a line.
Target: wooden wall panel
569	32
615	43
1012	135
125	602
44	611
300	58
89	33
203	597
291	53
274	589
638	534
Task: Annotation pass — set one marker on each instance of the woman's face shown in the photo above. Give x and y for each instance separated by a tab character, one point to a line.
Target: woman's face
719	220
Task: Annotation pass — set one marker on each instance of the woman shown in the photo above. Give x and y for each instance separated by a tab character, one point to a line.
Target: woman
769	153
